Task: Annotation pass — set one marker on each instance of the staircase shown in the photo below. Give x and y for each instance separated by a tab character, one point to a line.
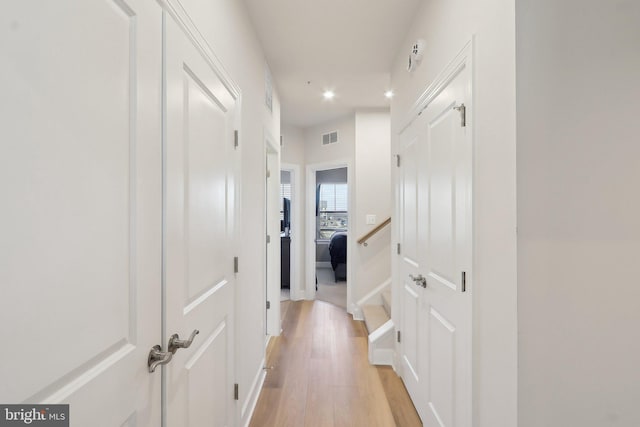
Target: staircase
377	319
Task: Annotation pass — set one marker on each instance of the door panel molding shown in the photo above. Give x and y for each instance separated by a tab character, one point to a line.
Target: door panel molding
441	367
185	22
464	59
205	346
202	298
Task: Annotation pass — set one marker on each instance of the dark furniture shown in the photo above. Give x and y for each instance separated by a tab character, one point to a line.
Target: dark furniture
285	262
338	252
285	222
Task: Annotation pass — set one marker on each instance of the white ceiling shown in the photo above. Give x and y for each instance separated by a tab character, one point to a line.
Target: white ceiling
343	45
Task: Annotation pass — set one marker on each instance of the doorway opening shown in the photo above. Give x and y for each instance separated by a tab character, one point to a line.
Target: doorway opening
285	234
330	217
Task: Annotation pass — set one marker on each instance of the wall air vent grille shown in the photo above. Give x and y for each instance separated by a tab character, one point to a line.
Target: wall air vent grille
330	138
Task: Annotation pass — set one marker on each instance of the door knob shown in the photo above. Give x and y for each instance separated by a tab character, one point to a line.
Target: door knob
175	342
419	279
158	357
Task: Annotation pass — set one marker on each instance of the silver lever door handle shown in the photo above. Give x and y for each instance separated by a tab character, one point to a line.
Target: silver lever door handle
158	357
419	279
175	342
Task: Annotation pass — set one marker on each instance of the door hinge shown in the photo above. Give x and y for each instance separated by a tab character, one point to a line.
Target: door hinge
235	264
268	239
398	336
268	173
464	281
463	114
268	305
397	160
235	392
236	139
398	249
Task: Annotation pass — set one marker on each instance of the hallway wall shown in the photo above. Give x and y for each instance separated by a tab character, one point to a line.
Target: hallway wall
340	153
578	63
226	26
364	141
343	150
292	150
446	27
372	196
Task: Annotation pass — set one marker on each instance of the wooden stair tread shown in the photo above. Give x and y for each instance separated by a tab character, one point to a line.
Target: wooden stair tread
374	316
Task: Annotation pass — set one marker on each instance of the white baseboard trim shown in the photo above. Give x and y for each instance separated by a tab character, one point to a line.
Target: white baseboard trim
250	402
310	295
296	294
356	312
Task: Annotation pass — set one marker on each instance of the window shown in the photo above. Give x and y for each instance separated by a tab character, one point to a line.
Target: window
333	197
285	191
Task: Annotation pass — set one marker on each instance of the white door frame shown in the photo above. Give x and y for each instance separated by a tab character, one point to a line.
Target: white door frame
272	228
295	276
310	253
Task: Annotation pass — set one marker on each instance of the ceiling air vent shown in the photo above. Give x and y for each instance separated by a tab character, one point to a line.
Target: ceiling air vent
330	138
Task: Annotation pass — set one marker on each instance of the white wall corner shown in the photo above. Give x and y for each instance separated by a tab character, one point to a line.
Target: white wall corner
298	295
356	312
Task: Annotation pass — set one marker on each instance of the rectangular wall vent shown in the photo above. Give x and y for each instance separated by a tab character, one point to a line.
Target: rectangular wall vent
330	138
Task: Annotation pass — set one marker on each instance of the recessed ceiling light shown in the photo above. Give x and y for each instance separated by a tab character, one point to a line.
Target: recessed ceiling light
328	94
389	94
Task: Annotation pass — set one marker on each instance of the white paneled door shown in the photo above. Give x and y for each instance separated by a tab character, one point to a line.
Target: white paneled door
116	224
436	259
80	258
199	244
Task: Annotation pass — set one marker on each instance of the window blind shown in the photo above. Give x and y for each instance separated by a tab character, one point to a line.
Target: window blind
285	193
334	197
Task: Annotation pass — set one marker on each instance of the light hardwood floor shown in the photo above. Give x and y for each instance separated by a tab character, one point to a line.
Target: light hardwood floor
319	375
328	290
